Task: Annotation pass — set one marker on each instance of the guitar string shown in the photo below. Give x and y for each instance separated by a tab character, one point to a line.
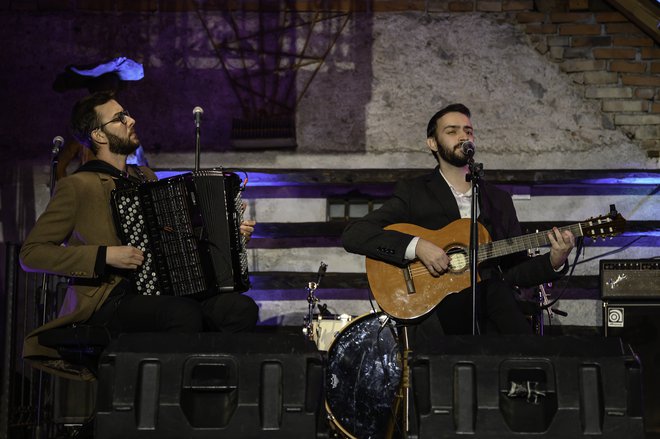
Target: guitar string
519	243
501	248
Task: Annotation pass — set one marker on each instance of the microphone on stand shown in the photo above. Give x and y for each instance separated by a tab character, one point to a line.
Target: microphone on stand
58	141
323	308
468	148
322	268
197	114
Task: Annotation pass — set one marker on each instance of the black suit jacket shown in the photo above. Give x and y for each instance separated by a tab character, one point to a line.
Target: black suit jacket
428	202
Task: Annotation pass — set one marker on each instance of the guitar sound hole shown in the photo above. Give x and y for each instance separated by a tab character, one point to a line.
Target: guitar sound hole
458	259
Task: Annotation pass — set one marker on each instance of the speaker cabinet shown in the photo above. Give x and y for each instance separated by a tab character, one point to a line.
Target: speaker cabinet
526	386
638	323
209	386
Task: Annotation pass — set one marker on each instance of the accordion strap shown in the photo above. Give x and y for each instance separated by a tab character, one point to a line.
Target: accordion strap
126	178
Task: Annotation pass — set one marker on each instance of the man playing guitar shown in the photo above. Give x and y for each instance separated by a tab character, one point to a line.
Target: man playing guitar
440	200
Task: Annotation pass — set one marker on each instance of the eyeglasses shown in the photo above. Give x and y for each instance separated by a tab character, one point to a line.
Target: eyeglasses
121	117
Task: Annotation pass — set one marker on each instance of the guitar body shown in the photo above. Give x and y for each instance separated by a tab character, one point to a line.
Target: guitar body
411	292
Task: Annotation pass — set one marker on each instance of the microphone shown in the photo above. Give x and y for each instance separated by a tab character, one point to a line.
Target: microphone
58	141
322	268
197	113
468	148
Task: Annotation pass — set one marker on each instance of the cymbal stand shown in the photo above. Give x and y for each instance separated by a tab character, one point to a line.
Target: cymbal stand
543	299
405	380
401	406
312	302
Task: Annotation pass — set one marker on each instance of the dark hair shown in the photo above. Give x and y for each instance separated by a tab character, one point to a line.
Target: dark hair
84	118
452	108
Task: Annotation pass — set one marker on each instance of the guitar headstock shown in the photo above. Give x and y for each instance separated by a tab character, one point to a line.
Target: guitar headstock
604	226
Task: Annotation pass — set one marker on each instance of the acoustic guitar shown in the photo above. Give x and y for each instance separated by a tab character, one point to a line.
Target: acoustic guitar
410	292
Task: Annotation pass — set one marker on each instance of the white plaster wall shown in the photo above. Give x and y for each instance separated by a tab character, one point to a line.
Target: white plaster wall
526	112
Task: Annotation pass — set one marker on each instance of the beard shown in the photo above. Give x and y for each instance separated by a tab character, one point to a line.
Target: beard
122	146
454	155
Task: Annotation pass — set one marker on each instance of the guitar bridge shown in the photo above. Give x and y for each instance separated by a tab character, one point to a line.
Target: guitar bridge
407	276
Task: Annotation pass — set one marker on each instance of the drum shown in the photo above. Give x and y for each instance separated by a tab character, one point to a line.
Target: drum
326	328
364	371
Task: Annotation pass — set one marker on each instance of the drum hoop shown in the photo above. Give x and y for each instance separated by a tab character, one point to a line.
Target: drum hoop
334	317
354	320
333	420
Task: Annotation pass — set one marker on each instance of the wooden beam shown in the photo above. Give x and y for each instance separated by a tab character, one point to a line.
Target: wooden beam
327	234
261	176
292	286
644	13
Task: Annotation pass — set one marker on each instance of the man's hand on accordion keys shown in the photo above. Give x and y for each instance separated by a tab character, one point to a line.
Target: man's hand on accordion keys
124	256
247	228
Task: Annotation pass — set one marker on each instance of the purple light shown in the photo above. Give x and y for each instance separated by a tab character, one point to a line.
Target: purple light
653	180
255	179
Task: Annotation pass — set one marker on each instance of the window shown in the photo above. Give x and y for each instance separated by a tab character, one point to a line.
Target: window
346	209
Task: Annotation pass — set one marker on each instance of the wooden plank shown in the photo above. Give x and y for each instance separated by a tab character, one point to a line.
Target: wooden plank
292	286
382	191
379	183
316	177
644	13
327	234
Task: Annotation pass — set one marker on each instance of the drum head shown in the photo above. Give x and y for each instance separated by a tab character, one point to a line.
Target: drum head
326	328
363	376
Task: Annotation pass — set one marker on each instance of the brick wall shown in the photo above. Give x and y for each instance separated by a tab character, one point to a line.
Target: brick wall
615	62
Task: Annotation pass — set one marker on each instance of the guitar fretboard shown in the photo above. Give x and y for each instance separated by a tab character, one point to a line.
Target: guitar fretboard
521	243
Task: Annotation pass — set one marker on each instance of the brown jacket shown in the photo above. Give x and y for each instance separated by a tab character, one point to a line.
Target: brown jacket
65	241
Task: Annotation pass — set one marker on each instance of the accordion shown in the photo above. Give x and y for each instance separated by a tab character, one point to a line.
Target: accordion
188	227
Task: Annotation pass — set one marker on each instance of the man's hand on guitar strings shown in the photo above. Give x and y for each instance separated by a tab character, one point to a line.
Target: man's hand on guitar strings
433	257
562	243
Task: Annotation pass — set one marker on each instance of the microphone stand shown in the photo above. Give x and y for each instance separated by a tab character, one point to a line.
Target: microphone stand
197	141
474	175
55	159
45	280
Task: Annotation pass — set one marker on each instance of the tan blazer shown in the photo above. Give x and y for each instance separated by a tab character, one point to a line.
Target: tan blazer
65	241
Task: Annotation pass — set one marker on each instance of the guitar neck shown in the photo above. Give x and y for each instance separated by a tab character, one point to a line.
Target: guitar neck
521	243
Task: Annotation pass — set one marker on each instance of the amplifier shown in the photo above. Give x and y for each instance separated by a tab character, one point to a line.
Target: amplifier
630	278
